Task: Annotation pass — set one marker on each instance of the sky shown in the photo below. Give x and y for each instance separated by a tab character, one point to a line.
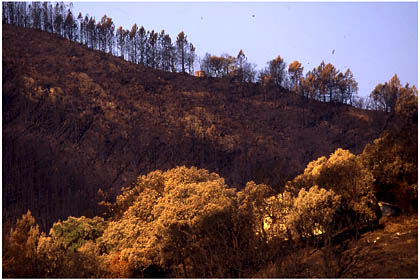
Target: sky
374	39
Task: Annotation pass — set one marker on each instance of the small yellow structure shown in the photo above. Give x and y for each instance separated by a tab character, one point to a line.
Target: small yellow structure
200	74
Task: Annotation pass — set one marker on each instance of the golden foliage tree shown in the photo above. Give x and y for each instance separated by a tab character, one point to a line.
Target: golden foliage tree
345	174
186	222
161	207
313	212
295	72
20	256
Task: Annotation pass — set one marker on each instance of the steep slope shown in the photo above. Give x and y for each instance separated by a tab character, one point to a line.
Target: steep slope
76	121
389	251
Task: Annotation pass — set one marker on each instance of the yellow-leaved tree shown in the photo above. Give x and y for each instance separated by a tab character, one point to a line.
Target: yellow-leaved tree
295	72
182	222
345	174
20	257
313	212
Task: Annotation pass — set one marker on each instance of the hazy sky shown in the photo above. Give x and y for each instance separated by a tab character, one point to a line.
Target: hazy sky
375	40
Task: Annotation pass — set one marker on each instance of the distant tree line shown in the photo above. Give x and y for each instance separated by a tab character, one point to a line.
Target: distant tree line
149	48
324	83
157	50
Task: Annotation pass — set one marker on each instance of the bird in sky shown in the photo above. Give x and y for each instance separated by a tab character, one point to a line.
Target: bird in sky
333	51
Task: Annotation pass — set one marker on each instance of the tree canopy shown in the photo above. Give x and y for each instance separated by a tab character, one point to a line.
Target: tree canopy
345	174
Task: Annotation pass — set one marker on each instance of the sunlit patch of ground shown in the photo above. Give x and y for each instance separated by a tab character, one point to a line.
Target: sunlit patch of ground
390	252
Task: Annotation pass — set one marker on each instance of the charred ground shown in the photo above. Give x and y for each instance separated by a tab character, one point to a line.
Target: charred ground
76	121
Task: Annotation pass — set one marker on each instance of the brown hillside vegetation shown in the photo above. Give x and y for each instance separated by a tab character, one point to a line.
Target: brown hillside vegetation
76	121
391	251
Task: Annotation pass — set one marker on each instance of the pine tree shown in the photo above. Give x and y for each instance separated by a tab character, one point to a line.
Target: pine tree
386	95
133	43
277	70
70	27
191	58
182	45
295	72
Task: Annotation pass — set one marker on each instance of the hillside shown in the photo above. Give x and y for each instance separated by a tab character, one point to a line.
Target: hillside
376	254
76	121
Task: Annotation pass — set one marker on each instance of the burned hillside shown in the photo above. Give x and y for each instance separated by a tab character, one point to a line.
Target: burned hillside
77	120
